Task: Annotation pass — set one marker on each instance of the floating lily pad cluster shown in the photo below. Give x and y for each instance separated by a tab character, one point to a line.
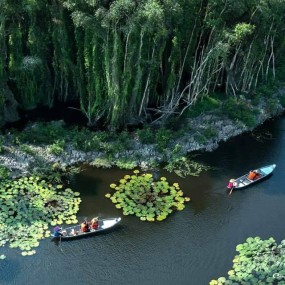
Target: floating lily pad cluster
183	166
150	200
259	262
28	206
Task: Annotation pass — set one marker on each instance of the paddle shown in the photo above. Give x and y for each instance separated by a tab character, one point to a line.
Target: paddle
60	244
231	190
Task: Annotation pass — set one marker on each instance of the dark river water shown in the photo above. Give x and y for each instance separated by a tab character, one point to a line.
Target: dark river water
192	246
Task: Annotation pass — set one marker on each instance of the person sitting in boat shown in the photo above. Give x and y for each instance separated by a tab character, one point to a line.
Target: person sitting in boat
253	174
84	226
57	232
94	223
232	184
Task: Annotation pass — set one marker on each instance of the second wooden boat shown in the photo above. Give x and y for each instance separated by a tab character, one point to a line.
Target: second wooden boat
75	231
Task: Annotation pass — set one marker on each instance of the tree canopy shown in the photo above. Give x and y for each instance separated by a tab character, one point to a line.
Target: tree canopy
128	61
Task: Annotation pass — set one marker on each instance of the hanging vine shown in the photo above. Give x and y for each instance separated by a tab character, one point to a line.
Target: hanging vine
128	61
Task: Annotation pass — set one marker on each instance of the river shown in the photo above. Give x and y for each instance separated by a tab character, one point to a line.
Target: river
190	247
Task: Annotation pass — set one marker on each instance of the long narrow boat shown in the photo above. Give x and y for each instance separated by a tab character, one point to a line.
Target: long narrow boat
244	181
75	231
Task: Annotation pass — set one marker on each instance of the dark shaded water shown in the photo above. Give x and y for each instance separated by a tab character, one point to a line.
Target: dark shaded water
191	247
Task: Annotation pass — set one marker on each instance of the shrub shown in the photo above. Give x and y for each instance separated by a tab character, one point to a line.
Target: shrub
145	135
198	137
123	141
177	151
108	148
240	111
162	138
86	140
271	105
42	133
27	149
205	105
81	139
57	147
282	101
1	144
209	133
4	172
265	90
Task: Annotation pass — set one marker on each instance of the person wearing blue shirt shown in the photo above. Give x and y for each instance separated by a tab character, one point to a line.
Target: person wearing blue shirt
57	232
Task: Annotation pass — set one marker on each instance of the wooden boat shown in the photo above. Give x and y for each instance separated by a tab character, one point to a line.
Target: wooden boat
75	231
244	181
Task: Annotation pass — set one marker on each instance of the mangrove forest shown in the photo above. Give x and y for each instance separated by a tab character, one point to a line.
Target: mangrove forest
127	62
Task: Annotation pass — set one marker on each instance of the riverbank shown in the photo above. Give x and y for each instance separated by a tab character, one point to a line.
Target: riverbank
53	146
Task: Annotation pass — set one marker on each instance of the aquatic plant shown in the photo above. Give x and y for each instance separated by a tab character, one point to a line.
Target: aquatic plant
4	172
28	206
150	200
258	262
126	163
183	166
103	162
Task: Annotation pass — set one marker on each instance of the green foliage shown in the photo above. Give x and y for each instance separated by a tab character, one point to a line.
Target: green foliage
125	61
258	262
57	147
176	152
101	162
27	149
42	133
126	163
123	141
207	104
2	140
282	101
28	206
162	138
200	138
205	135
267	90
145	135
58	172
241	30
82	139
240	111
4	172
149	200
86	140
183	167
209	133
272	105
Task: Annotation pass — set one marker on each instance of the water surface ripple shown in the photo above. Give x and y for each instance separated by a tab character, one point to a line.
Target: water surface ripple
190	247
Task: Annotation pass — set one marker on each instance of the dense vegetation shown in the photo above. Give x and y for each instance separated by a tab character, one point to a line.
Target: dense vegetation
258	262
128	61
28	206
146	198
